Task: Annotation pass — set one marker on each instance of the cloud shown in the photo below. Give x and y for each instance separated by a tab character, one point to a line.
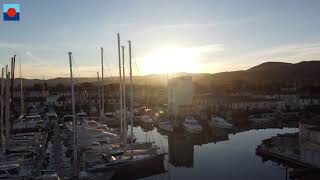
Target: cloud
209	48
292	53
240	21
287	53
181	26
170	52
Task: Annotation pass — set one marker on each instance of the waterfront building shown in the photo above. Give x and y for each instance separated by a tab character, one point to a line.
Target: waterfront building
180	93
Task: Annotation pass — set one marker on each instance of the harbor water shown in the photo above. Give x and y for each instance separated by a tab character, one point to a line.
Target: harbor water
214	155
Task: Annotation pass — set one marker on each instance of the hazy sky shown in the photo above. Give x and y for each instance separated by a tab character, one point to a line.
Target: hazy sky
167	35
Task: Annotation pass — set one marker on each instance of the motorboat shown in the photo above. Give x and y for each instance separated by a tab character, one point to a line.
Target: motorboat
219	122
191	125
81	114
29	122
259	119
166	125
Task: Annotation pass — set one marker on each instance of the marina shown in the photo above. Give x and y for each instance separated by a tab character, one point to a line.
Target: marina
135	142
117	90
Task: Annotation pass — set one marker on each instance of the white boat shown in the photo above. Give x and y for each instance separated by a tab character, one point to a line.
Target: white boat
81	114
191	125
29	122
166	125
219	122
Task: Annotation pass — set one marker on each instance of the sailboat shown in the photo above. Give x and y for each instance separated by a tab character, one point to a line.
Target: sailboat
129	164
165	124
106	150
191	125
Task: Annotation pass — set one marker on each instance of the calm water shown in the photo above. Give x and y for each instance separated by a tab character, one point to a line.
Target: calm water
215	155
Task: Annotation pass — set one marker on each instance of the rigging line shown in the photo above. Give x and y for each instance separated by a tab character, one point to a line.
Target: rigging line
76	68
135	63
76	79
110	90
142	79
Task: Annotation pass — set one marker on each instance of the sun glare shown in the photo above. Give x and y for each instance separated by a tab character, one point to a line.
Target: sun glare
169	60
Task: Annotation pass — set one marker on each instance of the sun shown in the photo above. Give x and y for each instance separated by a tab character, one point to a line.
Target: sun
169	60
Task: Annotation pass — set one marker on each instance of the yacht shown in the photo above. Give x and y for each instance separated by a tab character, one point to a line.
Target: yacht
219	122
191	125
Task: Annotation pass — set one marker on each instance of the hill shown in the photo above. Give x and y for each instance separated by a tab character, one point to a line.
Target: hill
266	72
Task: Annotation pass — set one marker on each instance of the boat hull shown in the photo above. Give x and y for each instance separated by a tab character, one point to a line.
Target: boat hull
192	130
166	128
135	169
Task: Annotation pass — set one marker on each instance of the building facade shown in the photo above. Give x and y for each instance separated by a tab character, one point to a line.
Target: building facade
180	93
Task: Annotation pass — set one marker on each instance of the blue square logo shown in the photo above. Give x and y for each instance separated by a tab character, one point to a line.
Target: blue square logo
11	12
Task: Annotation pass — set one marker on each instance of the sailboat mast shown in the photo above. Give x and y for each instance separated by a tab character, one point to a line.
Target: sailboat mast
120	85
99	95
2	96
13	65
102	85
11	104
167	81
75	151
124	100
21	92
145	93
131	98
43	86
7	108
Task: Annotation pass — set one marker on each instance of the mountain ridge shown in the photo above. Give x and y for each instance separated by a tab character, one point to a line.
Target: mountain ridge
264	72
